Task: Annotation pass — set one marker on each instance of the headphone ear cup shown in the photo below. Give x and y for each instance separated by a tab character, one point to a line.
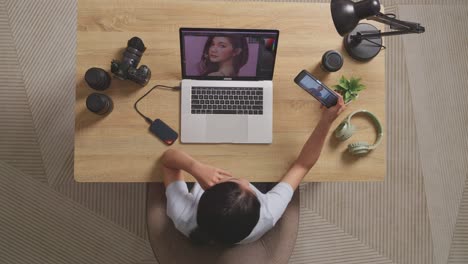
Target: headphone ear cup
344	131
359	148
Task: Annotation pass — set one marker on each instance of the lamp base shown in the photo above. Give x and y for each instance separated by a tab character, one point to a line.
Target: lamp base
362	50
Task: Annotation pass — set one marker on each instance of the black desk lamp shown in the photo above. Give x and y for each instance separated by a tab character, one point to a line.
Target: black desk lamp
364	41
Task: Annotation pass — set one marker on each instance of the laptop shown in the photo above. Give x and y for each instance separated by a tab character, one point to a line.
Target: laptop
227	89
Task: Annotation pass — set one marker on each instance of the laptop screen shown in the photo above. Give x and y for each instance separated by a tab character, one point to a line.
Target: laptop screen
237	54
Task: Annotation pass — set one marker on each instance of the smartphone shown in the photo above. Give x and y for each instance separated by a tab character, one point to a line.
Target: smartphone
316	88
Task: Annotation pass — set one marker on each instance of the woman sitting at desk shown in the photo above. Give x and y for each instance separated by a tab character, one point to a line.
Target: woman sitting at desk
223	209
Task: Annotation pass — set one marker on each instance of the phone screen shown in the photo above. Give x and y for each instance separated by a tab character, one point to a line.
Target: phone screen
318	90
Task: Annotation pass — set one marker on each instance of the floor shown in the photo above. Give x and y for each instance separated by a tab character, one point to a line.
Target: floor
419	214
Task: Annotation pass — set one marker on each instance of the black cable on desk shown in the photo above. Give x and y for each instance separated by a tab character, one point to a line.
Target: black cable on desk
173	88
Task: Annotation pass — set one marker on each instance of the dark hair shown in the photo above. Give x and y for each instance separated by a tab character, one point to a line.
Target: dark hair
237	42
226	214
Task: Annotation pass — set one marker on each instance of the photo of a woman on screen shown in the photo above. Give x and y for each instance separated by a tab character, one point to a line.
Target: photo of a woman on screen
224	56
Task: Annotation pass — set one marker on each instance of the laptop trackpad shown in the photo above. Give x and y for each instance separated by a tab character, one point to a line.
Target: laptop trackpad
227	128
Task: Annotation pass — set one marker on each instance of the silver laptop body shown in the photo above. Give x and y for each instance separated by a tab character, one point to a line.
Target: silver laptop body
227	109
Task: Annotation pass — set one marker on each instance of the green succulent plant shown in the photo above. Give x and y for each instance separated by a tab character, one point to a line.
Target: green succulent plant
349	89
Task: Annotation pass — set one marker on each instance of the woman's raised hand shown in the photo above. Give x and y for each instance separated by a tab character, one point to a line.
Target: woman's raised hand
208	176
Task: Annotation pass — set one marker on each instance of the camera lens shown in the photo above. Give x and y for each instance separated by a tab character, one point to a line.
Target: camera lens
100	104
136	43
332	61
97	79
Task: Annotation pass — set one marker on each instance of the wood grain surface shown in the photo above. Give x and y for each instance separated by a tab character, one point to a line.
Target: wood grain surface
119	148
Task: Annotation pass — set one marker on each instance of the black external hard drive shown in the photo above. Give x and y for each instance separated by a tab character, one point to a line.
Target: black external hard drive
163	132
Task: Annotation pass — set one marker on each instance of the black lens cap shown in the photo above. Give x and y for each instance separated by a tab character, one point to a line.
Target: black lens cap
97	79
332	61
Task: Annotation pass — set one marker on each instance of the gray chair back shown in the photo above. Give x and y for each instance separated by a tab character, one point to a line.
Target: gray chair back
172	247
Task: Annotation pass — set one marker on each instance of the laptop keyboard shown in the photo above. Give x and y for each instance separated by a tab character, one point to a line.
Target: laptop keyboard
227	100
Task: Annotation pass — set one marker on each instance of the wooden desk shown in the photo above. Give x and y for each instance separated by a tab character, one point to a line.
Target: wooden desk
119	148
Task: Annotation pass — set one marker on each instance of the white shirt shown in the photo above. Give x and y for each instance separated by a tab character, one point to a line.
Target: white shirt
182	207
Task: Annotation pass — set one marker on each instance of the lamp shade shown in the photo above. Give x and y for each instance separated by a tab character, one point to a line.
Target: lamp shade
346	14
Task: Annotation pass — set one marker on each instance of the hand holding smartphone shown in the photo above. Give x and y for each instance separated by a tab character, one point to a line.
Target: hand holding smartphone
316	88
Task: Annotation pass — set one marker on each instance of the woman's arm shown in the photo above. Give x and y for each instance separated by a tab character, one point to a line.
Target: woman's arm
311	150
175	161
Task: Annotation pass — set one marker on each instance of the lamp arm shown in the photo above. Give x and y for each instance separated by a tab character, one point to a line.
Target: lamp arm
403	27
398	24
377	34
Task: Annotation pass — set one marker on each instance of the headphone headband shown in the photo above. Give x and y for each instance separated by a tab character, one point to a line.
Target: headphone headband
376	122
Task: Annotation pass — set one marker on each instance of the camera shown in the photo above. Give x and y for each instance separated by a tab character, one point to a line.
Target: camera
127	68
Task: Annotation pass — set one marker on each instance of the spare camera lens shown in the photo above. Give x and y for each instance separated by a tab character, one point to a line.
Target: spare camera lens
97	79
100	104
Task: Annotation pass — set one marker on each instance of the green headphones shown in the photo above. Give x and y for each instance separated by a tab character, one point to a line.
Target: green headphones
345	130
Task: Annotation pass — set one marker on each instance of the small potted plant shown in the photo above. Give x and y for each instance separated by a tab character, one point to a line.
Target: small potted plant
349	89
